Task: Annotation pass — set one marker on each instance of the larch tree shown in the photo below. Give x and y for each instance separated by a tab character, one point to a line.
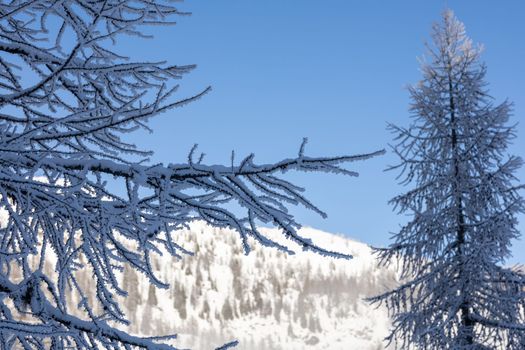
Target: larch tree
67	100
456	292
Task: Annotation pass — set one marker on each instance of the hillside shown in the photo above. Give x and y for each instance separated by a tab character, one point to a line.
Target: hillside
267	300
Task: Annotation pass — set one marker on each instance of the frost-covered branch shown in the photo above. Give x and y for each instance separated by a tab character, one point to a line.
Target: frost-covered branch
75	195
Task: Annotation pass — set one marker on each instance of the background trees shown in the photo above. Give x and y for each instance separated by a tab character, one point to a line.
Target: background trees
462	208
67	98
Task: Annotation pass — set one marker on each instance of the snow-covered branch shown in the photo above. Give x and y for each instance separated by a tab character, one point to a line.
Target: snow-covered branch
74	194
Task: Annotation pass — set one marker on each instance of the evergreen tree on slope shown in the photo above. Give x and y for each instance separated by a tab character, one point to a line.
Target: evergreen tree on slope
463	209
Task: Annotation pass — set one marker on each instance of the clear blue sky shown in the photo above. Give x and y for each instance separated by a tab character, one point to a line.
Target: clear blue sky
333	71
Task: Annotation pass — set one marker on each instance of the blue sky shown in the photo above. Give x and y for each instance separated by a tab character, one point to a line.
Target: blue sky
333	71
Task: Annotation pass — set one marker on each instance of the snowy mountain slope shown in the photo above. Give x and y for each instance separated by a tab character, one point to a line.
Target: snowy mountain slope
267	300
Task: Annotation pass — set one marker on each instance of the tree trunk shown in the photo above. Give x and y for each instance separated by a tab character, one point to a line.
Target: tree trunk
467	324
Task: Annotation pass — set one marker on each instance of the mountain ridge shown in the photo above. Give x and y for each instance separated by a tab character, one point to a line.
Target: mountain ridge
267	299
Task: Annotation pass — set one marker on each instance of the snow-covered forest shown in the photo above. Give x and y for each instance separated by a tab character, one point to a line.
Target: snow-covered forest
101	247
267	300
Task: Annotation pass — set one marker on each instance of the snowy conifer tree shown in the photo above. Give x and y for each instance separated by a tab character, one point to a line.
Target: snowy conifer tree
67	98
462	209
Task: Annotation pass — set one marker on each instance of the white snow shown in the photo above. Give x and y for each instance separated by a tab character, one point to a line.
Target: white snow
267	300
